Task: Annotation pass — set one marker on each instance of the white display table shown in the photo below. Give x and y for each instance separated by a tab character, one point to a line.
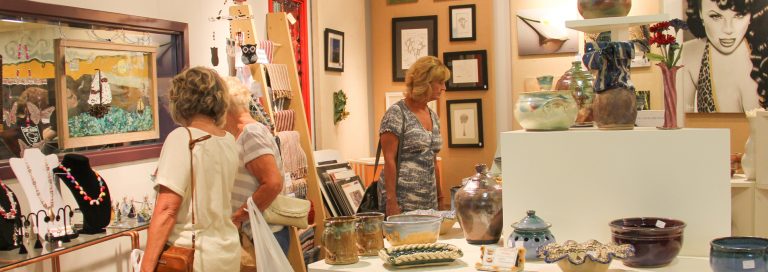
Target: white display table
472	255
580	180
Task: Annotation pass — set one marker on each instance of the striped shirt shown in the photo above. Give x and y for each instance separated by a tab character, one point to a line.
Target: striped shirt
255	141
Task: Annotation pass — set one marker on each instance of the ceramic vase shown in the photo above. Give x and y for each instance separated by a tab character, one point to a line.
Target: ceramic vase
615	105
478	207
670	96
590	9
579	82
748	159
340	239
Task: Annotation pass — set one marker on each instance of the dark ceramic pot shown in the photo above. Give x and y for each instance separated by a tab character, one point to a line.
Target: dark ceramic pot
533	232
478	207
657	241
739	254
615	109
590	9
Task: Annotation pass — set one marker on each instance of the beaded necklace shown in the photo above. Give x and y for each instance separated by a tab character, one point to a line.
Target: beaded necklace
12	213
49	205
86	197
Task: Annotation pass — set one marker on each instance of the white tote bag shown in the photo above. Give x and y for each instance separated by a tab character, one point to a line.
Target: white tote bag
269	255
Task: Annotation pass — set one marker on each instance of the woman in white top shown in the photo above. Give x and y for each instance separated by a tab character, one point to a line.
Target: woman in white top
260	170
198	100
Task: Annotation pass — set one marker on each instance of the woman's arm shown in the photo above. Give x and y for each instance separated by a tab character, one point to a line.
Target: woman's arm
163	219
264	168
389	144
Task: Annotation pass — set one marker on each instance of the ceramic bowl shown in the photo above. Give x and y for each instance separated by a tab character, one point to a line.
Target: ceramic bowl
408	229
591	256
738	254
591	9
449	218
657	241
546	111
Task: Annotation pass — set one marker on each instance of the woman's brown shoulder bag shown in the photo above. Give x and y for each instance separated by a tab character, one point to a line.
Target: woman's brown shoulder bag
176	258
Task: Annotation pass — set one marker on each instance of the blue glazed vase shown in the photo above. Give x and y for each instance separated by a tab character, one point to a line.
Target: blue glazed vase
533	232
731	254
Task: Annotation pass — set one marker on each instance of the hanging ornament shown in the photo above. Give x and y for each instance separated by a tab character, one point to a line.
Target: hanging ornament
214	52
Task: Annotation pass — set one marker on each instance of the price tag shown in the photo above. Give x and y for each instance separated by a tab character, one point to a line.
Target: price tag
660	224
748	264
291	19
505	257
261	56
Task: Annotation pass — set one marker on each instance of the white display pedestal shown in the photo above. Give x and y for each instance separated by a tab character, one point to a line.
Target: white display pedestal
582	179
472	256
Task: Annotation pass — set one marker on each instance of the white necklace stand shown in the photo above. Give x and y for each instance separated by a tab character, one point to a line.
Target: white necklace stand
37	161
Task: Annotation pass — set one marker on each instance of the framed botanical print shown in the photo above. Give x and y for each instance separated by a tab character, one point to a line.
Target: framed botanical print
412	38
334	50
465	123
119	103
469	70
462	23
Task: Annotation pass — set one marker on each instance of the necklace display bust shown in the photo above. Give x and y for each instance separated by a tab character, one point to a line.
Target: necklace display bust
8	223
89	190
33	171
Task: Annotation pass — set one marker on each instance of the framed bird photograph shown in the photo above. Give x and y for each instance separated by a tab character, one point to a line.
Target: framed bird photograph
117	99
465	123
543	31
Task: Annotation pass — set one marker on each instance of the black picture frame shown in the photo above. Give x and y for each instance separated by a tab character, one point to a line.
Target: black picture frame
457	18
460	79
412	24
473	110
334	50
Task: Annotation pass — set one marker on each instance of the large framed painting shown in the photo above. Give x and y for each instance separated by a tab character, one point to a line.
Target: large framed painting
117	98
412	38
465	123
469	70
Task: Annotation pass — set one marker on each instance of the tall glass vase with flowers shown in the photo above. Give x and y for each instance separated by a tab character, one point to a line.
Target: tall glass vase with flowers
670	55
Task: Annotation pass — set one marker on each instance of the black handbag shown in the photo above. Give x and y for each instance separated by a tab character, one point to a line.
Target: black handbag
370	202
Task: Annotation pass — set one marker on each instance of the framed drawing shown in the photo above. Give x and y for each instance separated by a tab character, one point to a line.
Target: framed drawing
393	2
469	70
412	38
462	23
334	50
120	103
392	98
465	123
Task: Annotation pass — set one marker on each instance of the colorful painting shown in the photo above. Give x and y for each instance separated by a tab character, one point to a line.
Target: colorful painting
115	96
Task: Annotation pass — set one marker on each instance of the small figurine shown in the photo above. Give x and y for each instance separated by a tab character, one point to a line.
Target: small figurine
132	211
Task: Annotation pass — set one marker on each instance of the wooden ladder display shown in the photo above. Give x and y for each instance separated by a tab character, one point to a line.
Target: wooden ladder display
278	33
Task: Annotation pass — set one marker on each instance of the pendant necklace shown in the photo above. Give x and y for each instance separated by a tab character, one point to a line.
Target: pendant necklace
11	214
48	206
86	197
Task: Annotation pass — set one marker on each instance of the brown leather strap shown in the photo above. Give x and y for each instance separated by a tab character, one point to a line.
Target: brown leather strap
192	204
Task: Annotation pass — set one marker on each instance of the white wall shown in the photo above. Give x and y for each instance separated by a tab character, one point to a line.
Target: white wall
351	136
132	179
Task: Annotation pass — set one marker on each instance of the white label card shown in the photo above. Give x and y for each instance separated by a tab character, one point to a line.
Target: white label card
505	257
291	19
660	224
748	264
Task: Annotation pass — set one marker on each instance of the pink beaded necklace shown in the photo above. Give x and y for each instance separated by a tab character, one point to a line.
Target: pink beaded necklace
86	197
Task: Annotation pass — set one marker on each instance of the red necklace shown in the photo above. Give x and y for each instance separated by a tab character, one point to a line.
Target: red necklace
12	213
91	201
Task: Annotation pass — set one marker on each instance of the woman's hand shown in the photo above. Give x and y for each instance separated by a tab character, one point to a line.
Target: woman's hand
393	209
239	216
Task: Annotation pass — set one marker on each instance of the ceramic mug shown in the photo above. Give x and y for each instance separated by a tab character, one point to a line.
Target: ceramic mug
731	254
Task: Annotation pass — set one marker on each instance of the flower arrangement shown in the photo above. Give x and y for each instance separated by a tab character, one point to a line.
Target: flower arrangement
670	48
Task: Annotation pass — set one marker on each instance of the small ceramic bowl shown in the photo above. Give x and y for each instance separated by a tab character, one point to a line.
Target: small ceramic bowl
406	229
591	256
449	218
657	241
738	254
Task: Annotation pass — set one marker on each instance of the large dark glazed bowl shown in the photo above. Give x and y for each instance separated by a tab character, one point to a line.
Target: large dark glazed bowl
738	254
657	241
591	9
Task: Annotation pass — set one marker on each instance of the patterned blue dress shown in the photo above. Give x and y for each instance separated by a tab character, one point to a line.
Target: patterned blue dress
416	186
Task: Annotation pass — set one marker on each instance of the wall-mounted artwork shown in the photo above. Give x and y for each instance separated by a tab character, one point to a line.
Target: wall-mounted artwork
118	98
334	50
462	23
725	42
543	31
393	2
469	70
465	123
412	38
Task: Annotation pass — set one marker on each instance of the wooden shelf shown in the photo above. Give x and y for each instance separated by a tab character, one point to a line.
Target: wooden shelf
739	181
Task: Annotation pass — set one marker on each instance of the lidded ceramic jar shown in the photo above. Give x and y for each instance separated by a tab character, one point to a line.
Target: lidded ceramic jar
478	207
534	232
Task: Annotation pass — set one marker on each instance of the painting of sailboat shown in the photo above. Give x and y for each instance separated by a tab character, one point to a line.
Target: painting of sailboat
119	100
544	32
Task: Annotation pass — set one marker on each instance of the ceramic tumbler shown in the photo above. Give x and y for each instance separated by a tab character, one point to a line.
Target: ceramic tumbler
340	239
370	236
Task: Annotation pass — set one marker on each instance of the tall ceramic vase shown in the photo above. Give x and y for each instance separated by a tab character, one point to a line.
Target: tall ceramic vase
670	96
614	106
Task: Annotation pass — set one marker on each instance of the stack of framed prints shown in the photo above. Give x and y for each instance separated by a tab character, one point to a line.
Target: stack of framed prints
342	189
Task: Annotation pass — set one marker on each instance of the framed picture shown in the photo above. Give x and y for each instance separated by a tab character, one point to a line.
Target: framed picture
392	97
469	70
543	31
120	101
334	50
391	2
639	35
412	38
465	123
462	23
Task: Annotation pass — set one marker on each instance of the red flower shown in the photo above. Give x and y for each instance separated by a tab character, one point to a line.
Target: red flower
659	27
660	39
